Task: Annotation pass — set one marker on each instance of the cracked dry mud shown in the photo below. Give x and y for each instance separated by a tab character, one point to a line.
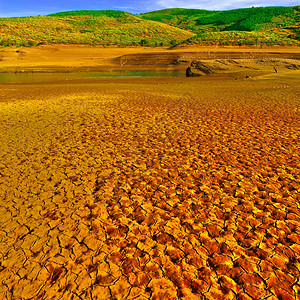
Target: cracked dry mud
161	189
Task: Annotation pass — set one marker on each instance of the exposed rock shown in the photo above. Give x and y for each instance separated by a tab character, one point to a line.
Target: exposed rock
293	67
200	68
180	61
290	64
192	73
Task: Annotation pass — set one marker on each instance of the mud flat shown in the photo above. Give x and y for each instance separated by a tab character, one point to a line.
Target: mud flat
152	188
63	58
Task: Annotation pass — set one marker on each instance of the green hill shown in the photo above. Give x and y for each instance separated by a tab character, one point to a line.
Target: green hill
256	25
95	13
88	27
247	26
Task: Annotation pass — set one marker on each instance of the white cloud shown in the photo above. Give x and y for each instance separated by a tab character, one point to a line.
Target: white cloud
221	5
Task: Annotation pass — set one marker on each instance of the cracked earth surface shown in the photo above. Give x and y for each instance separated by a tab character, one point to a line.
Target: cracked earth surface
162	189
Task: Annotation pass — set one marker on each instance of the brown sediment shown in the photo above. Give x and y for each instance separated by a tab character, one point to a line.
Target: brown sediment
66	58
150	188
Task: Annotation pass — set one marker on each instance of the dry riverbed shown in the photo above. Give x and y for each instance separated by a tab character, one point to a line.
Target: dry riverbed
151	188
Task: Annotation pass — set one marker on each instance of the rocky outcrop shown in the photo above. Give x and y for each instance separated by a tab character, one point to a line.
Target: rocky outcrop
192	73
222	66
199	68
202	67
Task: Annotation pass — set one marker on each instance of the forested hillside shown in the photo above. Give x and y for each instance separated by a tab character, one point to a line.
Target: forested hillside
106	28
257	25
248	26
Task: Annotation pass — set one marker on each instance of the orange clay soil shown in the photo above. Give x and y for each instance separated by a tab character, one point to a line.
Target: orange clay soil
63	58
157	188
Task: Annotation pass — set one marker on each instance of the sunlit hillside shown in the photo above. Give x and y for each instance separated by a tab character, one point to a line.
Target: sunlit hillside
88	27
257	25
248	26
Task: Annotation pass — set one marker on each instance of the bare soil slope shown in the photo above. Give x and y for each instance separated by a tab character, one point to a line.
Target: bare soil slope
59	58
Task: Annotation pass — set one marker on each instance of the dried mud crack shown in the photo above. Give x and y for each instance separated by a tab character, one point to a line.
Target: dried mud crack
162	189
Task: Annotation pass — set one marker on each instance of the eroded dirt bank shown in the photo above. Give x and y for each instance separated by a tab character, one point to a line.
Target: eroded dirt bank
60	58
154	189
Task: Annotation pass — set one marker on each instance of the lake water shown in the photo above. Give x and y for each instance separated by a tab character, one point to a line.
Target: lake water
50	77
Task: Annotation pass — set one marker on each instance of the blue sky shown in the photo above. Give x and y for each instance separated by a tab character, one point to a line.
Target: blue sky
11	8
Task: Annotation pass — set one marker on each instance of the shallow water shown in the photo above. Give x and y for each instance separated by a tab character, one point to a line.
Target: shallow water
48	77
